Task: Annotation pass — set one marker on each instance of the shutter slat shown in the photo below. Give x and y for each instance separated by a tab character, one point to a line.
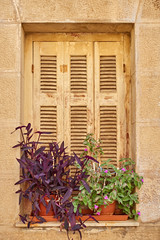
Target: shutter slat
107	73
48	73
48	123
78	129
108	132
78	73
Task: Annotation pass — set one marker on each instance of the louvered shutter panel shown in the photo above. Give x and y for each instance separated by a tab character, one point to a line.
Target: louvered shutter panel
48	89
109	99
78	85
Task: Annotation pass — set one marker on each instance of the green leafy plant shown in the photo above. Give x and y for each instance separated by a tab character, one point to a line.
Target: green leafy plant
96	179
123	184
93	147
108	183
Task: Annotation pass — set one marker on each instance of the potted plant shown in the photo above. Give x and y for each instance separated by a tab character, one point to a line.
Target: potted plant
96	199
108	184
123	183
46	172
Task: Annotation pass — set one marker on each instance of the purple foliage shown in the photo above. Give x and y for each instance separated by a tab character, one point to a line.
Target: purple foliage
47	172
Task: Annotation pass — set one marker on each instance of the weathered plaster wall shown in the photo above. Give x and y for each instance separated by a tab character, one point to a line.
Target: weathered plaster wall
145	75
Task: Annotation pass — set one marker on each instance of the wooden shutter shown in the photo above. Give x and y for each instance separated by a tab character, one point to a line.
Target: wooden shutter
78	88
109	99
83	97
48	89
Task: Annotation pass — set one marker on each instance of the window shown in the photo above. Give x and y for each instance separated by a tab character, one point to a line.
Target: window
79	86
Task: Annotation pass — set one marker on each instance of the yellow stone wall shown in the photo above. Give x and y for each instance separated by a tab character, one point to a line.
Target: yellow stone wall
145	119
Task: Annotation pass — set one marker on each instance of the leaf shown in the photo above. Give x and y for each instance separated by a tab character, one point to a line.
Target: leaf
136	217
23	219
66	224
76	227
80	234
91	158
67	195
86	185
30	136
54	206
26	148
72	219
43	201
37	205
18	145
48	207
75	204
30	196
22	181
78	160
43	132
126	198
29	132
20	198
82	222
62	147
20	127
28	127
28	225
134	211
91	216
41	218
37	176
18	191
38	151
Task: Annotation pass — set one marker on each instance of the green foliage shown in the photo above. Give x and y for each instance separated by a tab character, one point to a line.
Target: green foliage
108	183
124	182
92	146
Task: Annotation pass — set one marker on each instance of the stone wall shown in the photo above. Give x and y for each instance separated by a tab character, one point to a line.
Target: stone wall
145	75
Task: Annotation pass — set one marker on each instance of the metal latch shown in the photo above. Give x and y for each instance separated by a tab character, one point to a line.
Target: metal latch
63	68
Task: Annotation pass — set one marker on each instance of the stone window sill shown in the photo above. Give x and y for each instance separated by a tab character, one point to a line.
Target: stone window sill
128	223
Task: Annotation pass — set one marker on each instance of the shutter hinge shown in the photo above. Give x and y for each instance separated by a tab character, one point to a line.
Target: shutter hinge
124	68
32	68
63	68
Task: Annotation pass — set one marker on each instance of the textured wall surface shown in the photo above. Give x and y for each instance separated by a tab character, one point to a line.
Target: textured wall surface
92	10
148	232
145	80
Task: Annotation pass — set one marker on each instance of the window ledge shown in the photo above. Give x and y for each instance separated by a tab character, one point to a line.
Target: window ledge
128	223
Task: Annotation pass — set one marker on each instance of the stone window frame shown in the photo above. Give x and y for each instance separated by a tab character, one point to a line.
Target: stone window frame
31	30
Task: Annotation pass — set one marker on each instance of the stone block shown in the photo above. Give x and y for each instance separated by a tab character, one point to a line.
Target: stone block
147	47
9	209
148	98
9	174
9	47
149	197
9	165
7	11
10	97
149	11
145	232
84	10
148	150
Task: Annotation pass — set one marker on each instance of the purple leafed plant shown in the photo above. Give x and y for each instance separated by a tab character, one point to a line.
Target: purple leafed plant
45	170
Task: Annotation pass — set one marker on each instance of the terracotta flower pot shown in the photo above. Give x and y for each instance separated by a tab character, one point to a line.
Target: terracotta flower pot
109	209
118	211
87	211
43	208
